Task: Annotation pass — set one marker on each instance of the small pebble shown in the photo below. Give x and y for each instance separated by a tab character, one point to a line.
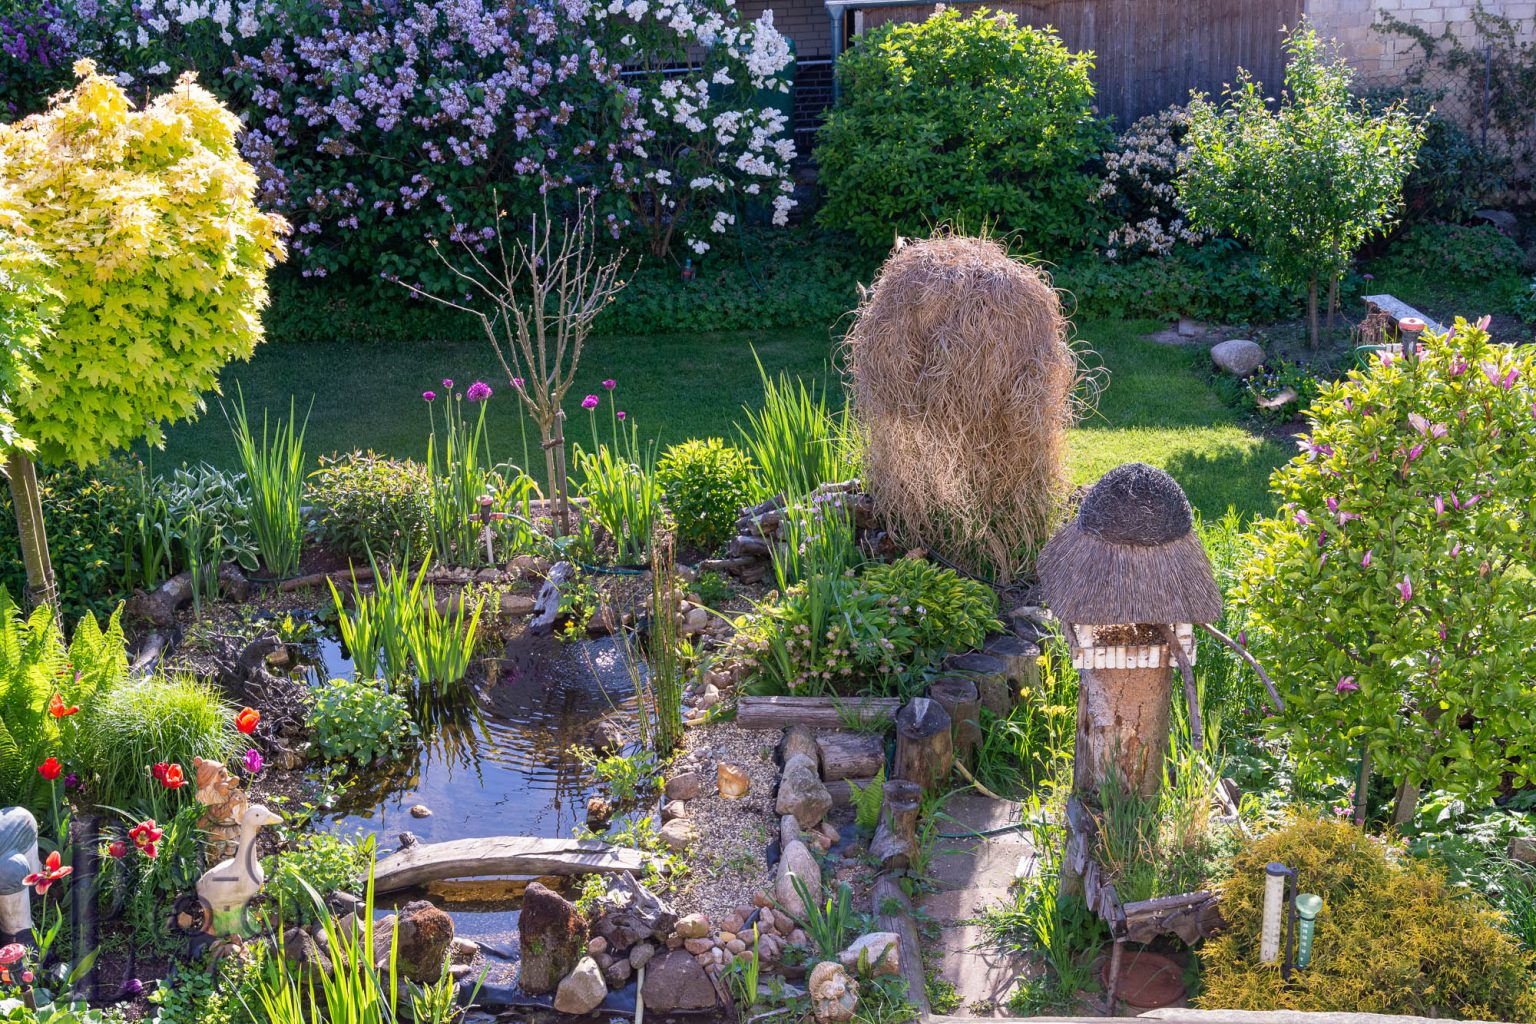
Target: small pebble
421	811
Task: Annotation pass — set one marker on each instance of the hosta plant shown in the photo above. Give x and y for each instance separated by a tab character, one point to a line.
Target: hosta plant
1392	593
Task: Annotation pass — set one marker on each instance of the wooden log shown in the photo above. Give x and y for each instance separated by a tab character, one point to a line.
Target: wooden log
800	739
958	697
159	606
1020	658
1122	728
991	677
502	855
893	913
546	606
816	712
850	755
895	841
743	545
842	791
925	751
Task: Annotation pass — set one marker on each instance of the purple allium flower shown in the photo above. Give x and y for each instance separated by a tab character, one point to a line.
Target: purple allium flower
590	402
252	761
1405	589
610	384
1347	684
429	396
448	383
622	414
479	391
1368	277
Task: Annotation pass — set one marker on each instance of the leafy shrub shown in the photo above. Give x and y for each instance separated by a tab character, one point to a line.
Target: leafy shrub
93	517
973	119
706	484
324	863
1393	936
875	634
1305	183
366	504
145	722
1525	305
1220	282
1453	176
1473	252
1392	584
1140	189
361	721
148	317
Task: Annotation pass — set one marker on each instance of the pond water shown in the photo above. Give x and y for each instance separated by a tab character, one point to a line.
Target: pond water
494	760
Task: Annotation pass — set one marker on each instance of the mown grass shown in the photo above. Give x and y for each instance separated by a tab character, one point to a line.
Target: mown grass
1156	406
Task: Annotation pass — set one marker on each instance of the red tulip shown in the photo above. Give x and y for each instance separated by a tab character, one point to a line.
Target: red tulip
57	709
50	769
117	849
51	872
145	835
173	778
247	720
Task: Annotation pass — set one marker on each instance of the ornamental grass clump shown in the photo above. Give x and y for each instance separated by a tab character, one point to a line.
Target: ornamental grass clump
963	388
1393	935
1392	591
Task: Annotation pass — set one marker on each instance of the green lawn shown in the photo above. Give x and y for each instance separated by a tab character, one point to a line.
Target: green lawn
1155	408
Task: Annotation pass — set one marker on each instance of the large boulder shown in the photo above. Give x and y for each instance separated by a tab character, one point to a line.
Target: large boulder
802	793
632	913
1238	356
675	981
583	990
553	939
797	861
425	933
301	951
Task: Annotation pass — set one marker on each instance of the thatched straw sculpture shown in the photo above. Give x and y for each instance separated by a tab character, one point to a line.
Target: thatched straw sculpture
1129	578
1130	556
963	385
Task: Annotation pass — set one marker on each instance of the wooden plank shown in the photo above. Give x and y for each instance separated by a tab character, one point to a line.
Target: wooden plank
816	712
893	913
502	855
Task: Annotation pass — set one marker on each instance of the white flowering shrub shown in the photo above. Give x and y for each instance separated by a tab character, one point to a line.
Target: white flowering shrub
376	126
1140	190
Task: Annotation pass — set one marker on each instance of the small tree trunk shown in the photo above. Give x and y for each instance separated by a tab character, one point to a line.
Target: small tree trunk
1361	782
1312	333
1333	304
925	749
547	442
34	538
1407	802
564	497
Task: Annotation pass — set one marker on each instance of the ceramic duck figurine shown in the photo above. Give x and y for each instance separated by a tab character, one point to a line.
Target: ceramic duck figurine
229	886
18	859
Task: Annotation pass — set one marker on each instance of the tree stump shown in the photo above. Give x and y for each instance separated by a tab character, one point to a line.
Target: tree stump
895	840
1020	658
925	751
991	676
849	755
960	700
1122	728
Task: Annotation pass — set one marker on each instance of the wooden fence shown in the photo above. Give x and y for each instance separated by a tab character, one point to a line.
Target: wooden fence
1151	53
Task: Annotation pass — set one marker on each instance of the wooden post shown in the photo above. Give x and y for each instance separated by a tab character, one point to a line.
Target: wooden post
992	682
925	751
895	838
958	697
1122	728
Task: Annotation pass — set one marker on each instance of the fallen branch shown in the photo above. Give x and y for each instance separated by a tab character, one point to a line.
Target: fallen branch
1191	691
1242	652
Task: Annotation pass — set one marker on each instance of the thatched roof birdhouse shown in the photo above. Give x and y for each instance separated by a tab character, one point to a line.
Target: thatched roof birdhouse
1130	556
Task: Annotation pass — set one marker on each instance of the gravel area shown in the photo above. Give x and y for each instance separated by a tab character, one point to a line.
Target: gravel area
727	863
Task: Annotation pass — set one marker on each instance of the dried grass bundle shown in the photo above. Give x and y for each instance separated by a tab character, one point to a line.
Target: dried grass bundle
964	384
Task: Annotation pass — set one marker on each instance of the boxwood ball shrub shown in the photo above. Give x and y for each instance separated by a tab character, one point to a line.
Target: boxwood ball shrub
367	504
1393	935
972	119
706	483
158	252
1391	594
361	721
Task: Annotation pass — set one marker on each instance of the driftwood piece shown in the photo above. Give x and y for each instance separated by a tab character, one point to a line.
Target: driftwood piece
502	855
925	751
893	913
159	606
895	838
1020	658
849	755
149	653
1191	916
996	690
842	791
816	712
546	606
1242	652
958	696
743	546
320	579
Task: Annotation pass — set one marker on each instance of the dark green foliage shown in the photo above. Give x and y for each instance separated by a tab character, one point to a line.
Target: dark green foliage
974	119
706	484
1469	252
1453	175
366	504
90	514
1220	282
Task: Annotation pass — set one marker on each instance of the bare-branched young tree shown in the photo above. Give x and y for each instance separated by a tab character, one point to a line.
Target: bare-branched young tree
536	296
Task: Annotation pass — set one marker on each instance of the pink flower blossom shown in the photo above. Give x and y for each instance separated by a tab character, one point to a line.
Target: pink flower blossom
1415	452
621	414
1456	549
479	391
429	396
590	402
518	383
1302	519
1365	563
1439	504
1483	322
610	384
1346	685
1505	381
1405	589
447	383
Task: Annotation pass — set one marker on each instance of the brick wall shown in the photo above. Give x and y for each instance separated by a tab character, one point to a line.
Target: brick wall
804	21
1383	59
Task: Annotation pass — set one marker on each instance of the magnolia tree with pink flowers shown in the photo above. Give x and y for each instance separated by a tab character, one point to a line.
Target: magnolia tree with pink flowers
1393	593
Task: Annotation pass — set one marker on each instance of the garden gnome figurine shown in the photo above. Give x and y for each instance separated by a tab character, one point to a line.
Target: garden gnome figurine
228	887
220	792
18	859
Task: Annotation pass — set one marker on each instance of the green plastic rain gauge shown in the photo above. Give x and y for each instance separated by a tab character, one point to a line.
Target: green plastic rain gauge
1308	906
